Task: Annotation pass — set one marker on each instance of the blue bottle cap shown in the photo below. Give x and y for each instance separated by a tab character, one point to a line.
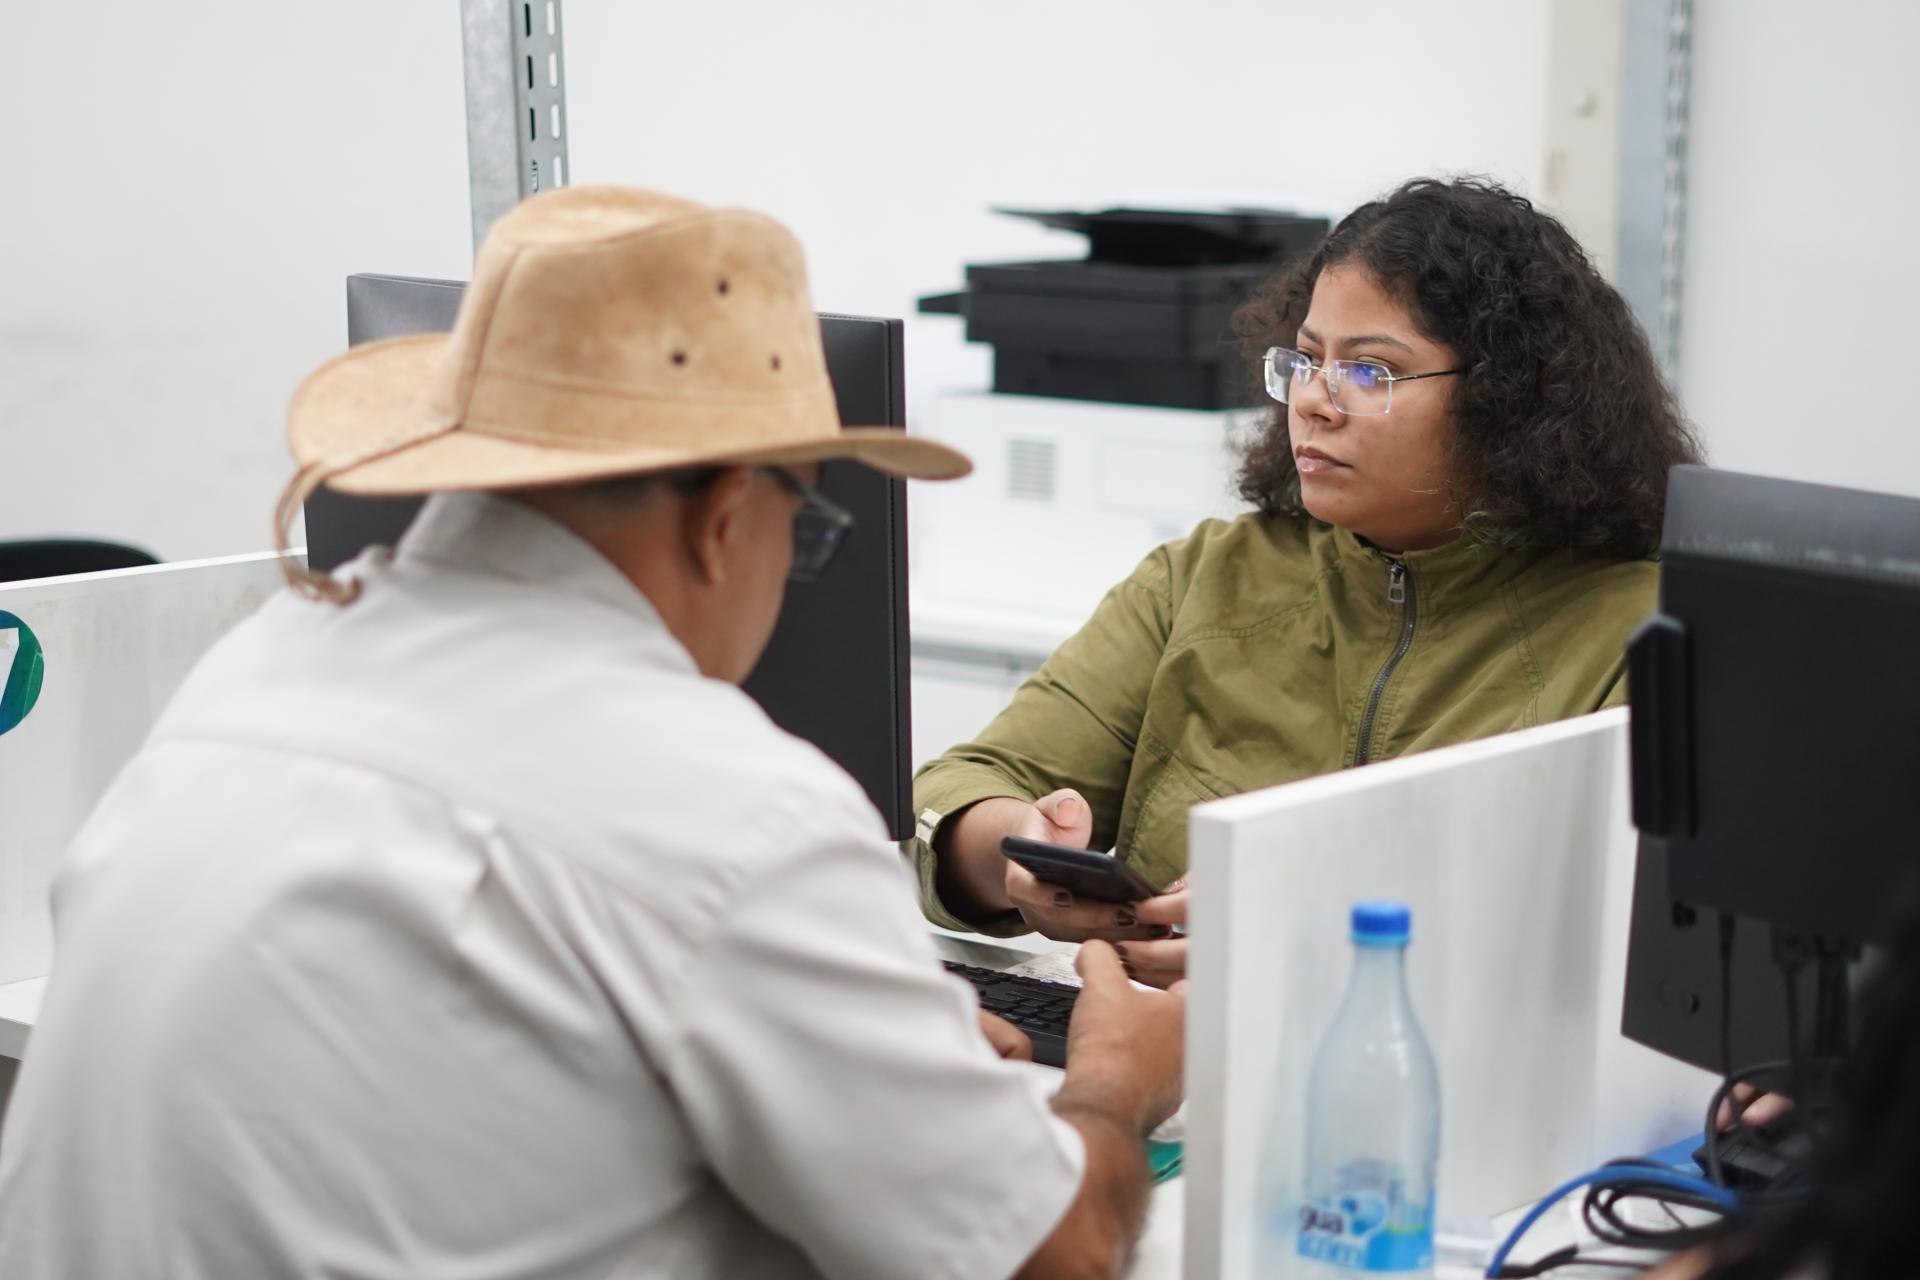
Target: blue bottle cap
1382	924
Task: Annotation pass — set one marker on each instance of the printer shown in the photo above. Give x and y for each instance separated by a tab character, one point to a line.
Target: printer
1144	318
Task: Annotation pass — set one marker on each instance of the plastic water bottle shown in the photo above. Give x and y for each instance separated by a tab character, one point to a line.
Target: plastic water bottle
1373	1119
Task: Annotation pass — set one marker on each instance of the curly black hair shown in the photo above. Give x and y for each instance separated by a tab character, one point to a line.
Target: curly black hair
1565	428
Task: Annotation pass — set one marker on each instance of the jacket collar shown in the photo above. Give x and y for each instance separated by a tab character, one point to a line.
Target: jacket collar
487	534
1456	573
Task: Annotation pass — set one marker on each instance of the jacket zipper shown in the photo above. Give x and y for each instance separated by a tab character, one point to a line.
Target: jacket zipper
1399	591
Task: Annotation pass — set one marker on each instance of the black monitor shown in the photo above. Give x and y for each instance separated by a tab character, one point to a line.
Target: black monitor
1775	739
835	672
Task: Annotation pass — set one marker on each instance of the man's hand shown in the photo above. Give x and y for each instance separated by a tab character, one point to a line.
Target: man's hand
1124	1063
1007	1040
1753	1107
1125	1045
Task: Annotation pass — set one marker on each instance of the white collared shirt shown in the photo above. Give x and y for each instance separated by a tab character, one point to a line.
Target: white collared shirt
468	931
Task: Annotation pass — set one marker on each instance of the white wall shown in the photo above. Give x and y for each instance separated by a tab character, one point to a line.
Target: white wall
197	180
192	184
1803	260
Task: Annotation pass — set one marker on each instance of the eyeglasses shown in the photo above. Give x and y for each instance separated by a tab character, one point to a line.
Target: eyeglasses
819	527
1357	388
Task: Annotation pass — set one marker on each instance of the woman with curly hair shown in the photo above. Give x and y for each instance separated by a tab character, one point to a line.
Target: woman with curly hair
1459	490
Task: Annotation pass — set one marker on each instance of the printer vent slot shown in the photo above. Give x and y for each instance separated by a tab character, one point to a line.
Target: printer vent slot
1030	469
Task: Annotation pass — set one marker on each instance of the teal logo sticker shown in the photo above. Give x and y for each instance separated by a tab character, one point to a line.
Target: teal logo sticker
21	668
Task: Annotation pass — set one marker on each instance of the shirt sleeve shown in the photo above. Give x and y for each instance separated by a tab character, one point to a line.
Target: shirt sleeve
838	1081
1075	723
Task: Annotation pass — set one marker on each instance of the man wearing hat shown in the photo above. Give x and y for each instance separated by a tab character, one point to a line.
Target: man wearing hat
461	917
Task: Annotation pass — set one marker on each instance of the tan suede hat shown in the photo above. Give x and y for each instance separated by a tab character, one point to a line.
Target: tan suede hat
607	331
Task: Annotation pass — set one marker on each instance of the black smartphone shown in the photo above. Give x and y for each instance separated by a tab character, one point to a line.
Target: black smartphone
1086	874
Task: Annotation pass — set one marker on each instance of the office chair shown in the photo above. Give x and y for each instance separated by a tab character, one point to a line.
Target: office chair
58	557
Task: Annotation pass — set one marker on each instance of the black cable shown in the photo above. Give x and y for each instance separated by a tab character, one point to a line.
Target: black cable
1602	1205
1567	1256
1833	1014
1604	1220
1832	1045
1602	1214
1710	1128
1791	974
1788	957
1727	922
1601	1211
1790	954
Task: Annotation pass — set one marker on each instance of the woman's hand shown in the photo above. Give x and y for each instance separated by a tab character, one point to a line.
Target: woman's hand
1063	818
1060	817
1163	962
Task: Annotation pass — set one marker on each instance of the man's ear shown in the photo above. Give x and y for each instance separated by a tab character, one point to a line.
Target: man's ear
710	522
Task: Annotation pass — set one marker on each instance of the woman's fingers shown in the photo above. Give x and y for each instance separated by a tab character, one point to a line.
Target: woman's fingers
1158	964
1059	914
1063	817
1167	907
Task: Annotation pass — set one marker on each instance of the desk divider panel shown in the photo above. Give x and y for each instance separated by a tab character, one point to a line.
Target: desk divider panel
114	646
1516	855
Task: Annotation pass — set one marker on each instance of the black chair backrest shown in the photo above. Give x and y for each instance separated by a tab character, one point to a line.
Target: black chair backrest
58	557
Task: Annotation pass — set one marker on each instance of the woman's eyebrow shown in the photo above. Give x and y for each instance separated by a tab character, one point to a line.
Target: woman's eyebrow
1364	340
1379	340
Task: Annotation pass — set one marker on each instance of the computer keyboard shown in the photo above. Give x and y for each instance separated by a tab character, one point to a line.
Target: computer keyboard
1040	1008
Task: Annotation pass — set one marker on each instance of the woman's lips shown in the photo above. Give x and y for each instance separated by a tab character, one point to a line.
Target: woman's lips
1311	462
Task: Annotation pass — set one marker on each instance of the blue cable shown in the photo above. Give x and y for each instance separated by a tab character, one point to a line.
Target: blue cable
1612	1175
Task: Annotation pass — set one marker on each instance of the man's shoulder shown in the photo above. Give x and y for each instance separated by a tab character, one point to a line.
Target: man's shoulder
582	737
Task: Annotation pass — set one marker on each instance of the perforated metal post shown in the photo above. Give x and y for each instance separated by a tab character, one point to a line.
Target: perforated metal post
516	103
1653	168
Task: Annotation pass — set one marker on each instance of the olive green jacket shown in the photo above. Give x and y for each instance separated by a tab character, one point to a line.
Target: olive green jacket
1265	650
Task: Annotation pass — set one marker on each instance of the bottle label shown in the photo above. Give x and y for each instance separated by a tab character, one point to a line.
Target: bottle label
1370	1220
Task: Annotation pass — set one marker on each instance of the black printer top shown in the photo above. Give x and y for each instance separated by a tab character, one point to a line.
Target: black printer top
1185	237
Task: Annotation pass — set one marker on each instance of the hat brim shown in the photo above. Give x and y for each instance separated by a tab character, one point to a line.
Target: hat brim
364	418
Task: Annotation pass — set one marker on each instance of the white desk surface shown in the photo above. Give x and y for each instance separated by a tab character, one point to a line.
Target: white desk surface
1557	1228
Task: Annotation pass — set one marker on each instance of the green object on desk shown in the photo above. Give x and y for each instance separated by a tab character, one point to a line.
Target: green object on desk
1163	1158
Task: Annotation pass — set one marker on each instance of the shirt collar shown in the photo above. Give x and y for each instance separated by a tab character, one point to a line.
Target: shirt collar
487	534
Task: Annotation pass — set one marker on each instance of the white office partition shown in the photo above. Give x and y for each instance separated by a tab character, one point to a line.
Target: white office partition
114	647
1516	855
